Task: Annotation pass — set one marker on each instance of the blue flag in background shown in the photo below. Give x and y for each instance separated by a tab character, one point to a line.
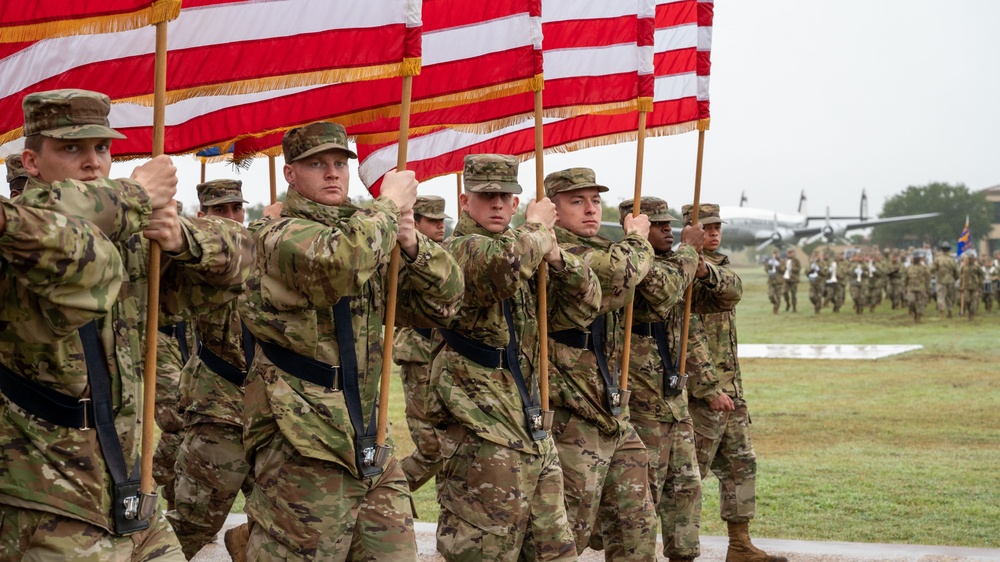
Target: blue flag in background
963	239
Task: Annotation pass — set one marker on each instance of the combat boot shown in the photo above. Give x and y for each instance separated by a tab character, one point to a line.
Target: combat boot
742	550
236	540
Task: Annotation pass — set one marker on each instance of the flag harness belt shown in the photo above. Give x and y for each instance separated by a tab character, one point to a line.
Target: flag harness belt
223	368
594	341
673	381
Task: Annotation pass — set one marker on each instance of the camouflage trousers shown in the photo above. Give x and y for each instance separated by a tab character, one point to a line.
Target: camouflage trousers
675	483
816	295
971	301
170	421
725	449
303	508
211	471
425	461
945	296
789	291
834	294
606	481
858	297
988	299
27	534
917	302
895	293
500	504
774	291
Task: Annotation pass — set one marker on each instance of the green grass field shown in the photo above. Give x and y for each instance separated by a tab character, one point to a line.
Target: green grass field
899	450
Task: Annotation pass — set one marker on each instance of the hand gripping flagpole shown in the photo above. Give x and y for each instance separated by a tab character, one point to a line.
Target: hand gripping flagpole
695	207
543	317
636	207
390	307
146	485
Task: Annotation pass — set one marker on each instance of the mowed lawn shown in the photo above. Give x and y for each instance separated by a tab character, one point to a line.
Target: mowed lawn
899	450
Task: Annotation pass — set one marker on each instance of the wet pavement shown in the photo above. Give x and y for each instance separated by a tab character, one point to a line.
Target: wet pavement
821	351
714	550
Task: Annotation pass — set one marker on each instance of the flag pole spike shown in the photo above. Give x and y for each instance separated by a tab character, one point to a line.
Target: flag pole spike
695	207
543	318
274	179
636	208
146	484
390	307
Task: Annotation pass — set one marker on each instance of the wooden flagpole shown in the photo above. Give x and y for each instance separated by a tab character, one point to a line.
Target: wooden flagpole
543	316
458	195
146	484
695	207
274	179
390	307
636	208
202	170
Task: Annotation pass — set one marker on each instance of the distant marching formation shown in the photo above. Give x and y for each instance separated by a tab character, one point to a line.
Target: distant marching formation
903	277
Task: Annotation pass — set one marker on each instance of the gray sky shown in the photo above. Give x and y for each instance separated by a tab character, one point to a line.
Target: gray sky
826	96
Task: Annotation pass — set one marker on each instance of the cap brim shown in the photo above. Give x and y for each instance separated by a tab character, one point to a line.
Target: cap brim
711	220
435	216
324	148
222	200
493	187
83	132
663	218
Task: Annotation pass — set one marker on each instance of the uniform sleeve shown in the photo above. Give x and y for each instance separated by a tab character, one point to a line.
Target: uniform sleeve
210	273
664	285
118	208
703	382
720	291
573	295
494	267
308	264
430	286
620	269
57	273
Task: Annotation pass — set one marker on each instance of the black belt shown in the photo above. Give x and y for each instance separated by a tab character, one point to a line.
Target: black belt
502	358
572	338
302	367
612	394
222	367
425	332
43	402
643	329
673	381
178	331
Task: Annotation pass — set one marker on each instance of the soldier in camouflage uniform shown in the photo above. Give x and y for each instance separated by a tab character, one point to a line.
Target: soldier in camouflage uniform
989	283
412	352
501	486
790	270
211	468
971	277
205	262
316	304
658	407
604	463
172	352
859	280
945	271
17	176
817	275
723	434
917	281
837	281
894	275
774	280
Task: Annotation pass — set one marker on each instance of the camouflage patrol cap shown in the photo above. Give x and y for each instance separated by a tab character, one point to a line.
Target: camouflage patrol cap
430	206
14	168
302	142
68	114
217	192
491	173
653	207
571	179
708	213
945	245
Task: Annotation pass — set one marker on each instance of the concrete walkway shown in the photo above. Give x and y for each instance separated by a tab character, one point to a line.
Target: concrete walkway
821	351
714	550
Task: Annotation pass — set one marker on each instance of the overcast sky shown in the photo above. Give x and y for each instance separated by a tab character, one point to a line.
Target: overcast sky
824	96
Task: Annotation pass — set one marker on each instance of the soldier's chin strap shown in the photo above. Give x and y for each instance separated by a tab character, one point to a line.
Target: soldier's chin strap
131	510
368	456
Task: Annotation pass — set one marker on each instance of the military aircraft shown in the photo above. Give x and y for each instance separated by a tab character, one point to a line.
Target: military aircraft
747	226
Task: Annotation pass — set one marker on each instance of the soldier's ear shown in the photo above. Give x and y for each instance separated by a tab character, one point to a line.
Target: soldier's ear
29	159
289	174
463	201
517	201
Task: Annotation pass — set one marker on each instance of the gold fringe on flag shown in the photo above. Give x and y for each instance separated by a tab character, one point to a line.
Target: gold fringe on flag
411	66
319	77
11	135
597	109
645	105
158	11
703	124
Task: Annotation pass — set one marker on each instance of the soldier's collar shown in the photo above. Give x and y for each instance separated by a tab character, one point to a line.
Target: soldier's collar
297	206
467	225
715	258
566	236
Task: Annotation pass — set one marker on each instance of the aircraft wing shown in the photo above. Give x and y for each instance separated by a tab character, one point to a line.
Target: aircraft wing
840	228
